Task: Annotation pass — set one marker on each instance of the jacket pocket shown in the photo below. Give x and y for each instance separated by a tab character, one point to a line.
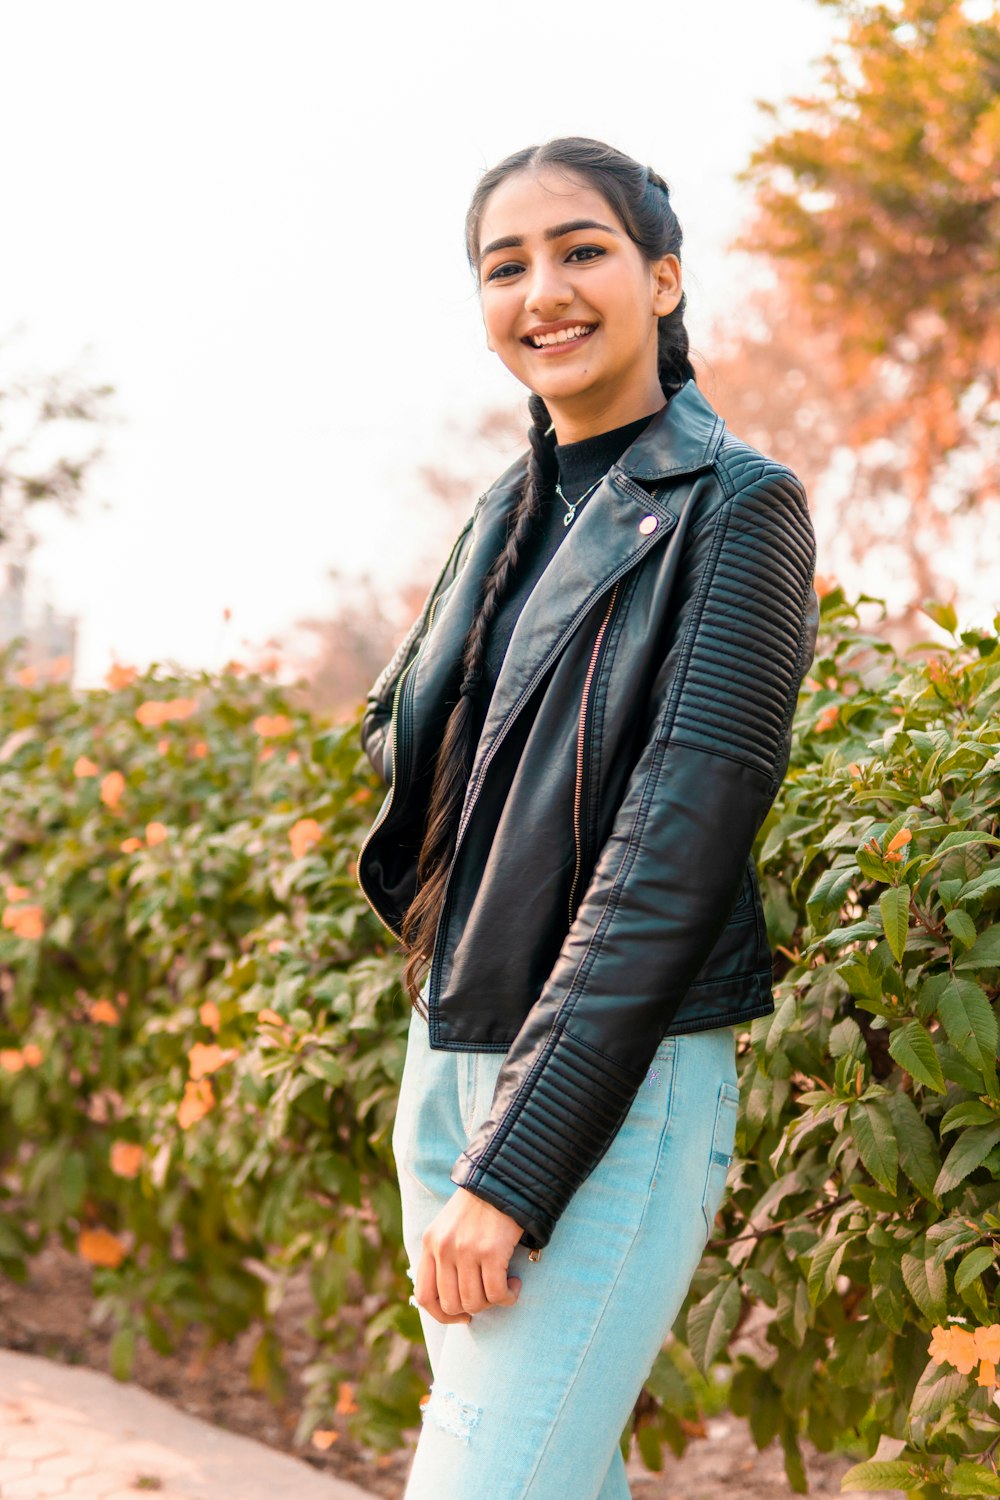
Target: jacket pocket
723	1143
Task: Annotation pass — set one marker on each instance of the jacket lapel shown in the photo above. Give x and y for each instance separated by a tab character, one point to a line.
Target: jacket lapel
604	541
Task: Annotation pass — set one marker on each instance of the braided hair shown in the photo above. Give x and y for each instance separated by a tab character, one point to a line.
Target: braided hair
641	199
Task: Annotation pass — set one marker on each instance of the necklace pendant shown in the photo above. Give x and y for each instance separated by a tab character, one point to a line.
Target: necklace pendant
569	516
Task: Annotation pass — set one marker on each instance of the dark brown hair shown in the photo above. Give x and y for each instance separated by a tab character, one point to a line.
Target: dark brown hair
641	199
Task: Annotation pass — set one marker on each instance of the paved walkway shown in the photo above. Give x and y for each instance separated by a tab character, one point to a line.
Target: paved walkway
68	1431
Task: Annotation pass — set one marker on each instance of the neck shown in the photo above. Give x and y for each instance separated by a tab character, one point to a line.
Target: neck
595	412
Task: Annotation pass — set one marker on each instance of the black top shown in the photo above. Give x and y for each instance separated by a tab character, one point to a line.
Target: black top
580	466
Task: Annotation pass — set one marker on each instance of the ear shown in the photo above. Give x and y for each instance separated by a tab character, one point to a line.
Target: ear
666	285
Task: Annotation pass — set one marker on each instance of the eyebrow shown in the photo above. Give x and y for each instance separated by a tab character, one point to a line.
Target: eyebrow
513	241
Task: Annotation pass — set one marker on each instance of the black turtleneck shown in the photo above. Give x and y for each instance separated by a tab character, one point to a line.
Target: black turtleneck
581	465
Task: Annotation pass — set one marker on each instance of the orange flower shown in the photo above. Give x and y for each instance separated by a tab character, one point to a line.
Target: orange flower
59	666
100	1247
112	786
32	1054
269	1017
16	892
199	749
956	1345
84	766
234	667
130	845
988	1342
854	769
352	868
26	677
346	1403
24	921
277	945
813	683
119	676
161	710
208	1015
163	746
266	753
198	1100
898	840
824	584
271	724
324	1437
293	757
826	718
11	1059
103	1010
155	833
303	835
208	1057
269	664
987	1373
126	1158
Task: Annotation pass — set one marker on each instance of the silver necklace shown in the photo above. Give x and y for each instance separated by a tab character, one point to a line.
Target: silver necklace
572	509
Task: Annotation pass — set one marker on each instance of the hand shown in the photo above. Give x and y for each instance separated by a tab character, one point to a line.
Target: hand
463	1268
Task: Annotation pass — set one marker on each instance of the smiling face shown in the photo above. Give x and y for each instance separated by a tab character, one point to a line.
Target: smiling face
570	303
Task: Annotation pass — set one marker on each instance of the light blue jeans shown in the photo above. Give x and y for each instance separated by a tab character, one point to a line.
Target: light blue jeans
529	1402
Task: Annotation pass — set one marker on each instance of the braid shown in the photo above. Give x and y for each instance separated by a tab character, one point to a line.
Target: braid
673	363
454	759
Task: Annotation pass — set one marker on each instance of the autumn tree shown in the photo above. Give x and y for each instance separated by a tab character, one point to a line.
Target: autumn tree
878	344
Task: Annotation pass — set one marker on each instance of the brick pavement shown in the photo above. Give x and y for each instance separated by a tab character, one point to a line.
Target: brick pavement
70	1432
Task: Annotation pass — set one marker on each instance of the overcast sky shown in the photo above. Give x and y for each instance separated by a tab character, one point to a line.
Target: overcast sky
248	218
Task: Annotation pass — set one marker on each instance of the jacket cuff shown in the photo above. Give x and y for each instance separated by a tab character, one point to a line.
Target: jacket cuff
536	1158
487	1185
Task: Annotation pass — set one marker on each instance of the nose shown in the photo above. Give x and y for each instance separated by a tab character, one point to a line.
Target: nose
547	293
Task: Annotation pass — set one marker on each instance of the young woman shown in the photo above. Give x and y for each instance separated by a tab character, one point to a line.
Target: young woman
580	735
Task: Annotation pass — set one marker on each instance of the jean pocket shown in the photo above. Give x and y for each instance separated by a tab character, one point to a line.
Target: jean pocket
723	1144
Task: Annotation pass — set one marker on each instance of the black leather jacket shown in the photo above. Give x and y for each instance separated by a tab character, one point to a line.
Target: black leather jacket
603	892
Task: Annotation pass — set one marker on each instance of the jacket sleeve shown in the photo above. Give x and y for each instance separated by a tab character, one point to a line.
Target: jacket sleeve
378	701
716	749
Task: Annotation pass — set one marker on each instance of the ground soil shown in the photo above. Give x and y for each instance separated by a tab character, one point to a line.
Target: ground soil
51	1315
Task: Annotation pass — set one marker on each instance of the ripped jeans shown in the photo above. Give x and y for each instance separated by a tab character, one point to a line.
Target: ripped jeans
529	1402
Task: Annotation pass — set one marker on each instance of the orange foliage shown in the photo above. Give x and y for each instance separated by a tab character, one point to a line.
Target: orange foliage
104	1011
130	845
16	892
119	676
126	1158
208	1015
84	766
11	1059
198	1100
24	921
100	1247
303	835
826	718
346	1403
155	833
267	725
161	711
208	1057
112	787
324	1437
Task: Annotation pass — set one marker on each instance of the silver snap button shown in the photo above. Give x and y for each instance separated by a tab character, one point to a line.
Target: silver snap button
647	524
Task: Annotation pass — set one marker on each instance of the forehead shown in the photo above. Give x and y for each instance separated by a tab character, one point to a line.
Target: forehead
529	201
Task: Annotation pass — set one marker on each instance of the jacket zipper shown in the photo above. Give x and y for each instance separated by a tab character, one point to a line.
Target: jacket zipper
386	806
580	741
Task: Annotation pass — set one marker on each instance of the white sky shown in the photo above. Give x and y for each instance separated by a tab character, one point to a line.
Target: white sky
248	218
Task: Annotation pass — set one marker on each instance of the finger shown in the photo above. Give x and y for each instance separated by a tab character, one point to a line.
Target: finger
470	1284
501	1290
426	1292
448	1293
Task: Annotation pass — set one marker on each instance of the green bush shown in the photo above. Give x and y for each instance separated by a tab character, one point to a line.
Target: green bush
229	940
863	1212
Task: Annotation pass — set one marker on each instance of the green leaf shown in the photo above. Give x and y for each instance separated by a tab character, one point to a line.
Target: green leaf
882	1474
986	880
894	904
918	1150
937	1388
962	925
824	1265
971	1148
831	888
710	1323
970	1022
985	951
972	1479
875	1139
926	1281
913	1048
973	1265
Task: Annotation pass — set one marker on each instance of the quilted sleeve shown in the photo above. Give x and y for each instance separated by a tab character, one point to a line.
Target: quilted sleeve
741	640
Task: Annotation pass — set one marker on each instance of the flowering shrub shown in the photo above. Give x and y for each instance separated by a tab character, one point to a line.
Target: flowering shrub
855	1268
202	1034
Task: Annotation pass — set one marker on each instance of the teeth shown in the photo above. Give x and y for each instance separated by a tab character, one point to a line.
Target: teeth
563	336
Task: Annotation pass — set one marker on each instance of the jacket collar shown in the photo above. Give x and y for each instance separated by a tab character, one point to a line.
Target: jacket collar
604	542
